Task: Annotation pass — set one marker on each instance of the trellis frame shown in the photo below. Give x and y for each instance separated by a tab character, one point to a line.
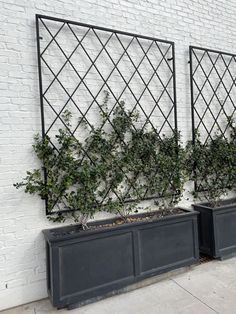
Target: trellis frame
93	28
196	91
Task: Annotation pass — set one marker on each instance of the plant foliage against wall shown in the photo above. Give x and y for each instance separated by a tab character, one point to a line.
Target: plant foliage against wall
124	163
213	164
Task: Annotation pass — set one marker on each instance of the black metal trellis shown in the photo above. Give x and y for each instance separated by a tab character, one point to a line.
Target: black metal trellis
84	62
213	92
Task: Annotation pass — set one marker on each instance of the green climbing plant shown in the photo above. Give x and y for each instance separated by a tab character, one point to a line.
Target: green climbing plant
109	169
232	153
212	165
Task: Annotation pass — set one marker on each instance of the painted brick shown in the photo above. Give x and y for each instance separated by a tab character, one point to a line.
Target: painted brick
200	22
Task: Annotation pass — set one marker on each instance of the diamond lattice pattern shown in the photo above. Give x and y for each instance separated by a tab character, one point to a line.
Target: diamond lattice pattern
80	62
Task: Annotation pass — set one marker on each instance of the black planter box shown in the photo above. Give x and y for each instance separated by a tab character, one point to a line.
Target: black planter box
217	229
91	264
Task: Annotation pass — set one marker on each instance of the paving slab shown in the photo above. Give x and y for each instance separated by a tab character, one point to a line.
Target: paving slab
206	289
164	298
213	283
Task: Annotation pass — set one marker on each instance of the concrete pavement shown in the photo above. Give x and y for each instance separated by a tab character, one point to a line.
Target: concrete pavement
206	289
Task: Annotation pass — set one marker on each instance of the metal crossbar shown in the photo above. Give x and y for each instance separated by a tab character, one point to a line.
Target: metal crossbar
213	93
93	59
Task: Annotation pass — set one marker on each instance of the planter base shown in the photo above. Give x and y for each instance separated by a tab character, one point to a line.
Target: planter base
227	256
143	283
89	265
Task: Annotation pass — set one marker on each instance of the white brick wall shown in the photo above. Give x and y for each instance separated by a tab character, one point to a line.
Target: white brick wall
209	23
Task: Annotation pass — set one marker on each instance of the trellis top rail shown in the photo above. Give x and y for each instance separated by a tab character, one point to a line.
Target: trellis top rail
212	50
40	16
